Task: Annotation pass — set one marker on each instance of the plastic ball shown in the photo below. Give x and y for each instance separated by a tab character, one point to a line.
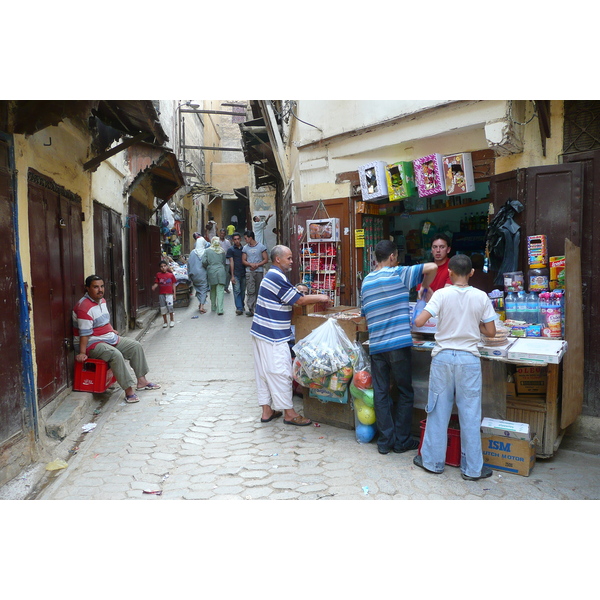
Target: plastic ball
368	398
365	433
365	414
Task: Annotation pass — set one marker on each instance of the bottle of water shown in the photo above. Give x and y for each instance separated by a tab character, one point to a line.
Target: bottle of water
510	305
522	306
533	308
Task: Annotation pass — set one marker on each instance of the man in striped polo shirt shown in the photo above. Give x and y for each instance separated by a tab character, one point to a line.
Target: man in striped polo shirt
384	303
271	330
94	337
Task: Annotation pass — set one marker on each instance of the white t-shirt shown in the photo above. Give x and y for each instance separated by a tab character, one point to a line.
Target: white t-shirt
459	311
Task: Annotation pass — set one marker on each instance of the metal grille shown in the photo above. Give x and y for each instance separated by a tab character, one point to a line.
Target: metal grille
581	126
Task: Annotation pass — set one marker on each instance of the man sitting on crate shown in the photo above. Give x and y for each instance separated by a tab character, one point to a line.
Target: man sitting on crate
94	337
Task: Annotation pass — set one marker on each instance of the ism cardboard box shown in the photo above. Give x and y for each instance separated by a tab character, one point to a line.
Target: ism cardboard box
507	446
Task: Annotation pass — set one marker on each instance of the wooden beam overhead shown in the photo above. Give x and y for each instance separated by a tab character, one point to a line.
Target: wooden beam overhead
94	162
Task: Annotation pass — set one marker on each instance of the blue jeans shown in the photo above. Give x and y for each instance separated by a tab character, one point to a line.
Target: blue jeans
394	420
454	372
239	291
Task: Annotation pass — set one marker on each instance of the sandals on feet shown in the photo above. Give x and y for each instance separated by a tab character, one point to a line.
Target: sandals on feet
299	420
132	399
276	414
149	386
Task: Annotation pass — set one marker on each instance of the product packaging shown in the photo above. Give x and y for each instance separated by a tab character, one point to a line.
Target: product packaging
373	181
537	251
557	272
401	180
458	174
429	175
514	281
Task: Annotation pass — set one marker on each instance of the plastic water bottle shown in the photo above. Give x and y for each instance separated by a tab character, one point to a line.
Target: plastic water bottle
521	306
533	308
510	304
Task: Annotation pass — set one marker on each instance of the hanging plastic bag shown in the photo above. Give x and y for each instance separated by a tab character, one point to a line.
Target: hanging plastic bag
361	386
325	350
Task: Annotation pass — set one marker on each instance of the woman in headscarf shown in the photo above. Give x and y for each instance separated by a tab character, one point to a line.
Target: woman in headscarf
197	272
214	262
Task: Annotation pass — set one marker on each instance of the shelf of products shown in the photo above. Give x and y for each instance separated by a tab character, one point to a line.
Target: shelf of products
319	268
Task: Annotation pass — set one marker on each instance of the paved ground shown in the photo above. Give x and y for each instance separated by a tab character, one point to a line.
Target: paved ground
200	438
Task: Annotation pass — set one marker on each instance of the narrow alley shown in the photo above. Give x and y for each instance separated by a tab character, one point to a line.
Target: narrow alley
200	438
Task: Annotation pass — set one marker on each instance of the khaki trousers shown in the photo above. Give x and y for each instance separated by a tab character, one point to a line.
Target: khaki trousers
115	356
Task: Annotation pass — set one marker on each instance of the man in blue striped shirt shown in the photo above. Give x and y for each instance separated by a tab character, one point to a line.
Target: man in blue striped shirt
271	330
384	303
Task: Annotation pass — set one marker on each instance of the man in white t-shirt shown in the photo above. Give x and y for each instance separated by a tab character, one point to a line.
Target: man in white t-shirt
463	314
259	226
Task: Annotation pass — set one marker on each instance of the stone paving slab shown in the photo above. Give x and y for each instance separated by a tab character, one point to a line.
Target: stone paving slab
200	438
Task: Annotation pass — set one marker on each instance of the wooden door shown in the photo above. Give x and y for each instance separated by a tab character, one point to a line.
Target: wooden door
56	249
108	256
334	208
12	395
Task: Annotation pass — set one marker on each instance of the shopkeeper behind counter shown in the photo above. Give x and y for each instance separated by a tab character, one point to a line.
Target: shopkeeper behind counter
440	249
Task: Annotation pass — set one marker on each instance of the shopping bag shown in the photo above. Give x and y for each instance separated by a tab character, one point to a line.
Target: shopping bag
325	350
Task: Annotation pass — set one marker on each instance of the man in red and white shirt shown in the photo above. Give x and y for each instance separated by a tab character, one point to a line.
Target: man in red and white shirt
94	337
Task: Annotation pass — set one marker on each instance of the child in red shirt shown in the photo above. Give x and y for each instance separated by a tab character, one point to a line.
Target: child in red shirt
166	283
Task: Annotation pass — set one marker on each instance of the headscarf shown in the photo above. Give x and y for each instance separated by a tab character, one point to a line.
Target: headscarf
216	246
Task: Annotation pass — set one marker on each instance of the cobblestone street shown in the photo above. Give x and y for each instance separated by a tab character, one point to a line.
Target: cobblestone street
200	438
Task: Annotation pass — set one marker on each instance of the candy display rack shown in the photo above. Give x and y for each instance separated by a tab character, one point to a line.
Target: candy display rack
319	268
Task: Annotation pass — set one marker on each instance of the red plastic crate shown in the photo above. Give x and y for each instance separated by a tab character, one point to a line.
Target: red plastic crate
93	376
453	449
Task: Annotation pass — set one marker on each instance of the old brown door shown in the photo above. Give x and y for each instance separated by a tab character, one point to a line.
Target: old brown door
108	256
12	396
334	208
56	248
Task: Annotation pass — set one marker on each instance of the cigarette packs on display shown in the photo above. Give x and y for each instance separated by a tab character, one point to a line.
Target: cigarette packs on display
373	181
458	173
429	175
323	230
400	180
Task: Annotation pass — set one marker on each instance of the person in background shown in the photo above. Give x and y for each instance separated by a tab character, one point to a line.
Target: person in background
214	263
230	231
258	226
94	337
463	314
271	332
225	244
211	229
440	249
196	271
166	283
237	272
384	303
254	257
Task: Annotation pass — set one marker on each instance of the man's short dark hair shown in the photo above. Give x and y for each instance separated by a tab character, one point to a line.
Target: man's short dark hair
234	234
90	278
384	249
460	265
249	233
163	262
441	236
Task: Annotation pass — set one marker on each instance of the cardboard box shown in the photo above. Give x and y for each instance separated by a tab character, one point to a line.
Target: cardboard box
538	349
458	174
323	230
505	429
401	180
531	380
429	175
499	351
373	181
508	455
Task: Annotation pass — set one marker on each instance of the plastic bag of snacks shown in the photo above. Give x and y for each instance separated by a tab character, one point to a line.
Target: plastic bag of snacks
361	389
325	350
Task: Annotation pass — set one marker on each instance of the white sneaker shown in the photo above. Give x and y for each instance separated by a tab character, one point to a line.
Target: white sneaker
164	325
172	324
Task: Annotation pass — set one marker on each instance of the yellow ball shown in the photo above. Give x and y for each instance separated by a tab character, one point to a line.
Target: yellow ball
366	415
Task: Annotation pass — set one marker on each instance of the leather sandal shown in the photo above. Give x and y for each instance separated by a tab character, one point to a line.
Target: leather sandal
300	421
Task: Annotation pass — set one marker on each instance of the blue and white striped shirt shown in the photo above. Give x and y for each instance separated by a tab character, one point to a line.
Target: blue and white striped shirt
385	305
273	311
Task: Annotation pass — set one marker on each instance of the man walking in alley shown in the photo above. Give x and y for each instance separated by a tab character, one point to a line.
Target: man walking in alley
271	330
385	305
237	272
254	257
94	337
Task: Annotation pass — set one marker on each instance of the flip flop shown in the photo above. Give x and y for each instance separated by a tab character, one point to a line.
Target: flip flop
150	386
276	414
300	421
132	399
